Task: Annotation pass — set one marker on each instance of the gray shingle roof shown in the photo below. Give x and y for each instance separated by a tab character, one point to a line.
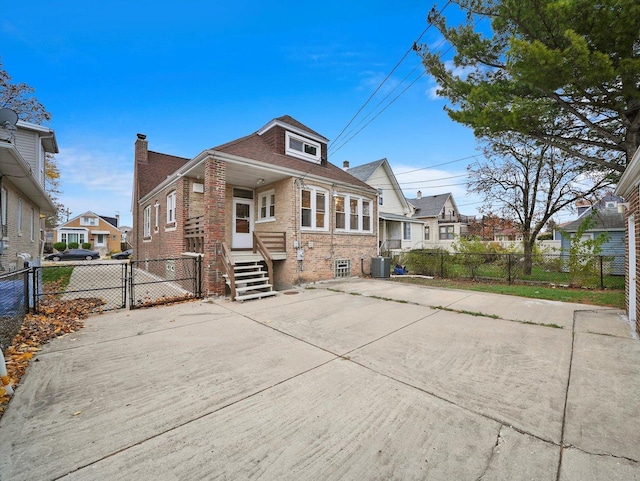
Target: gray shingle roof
365	171
429	206
603	220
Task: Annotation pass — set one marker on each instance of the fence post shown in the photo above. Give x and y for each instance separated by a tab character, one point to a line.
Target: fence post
601	274
509	268
442	264
124	283
34	274
199	276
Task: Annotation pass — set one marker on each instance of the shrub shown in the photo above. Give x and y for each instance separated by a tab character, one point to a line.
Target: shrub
427	262
60	246
73	245
86	245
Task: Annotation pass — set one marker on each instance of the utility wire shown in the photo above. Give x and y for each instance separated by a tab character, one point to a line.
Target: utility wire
388	75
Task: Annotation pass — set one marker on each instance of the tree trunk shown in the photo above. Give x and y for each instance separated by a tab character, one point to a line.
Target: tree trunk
528	258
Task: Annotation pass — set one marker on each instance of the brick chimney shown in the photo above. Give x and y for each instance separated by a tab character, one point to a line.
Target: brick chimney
117	220
345	165
142	151
419	195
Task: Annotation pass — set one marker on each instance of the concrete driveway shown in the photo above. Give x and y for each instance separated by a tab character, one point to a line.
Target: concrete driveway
351	380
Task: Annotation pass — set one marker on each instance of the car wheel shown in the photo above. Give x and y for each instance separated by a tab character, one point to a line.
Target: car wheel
55	258
88	258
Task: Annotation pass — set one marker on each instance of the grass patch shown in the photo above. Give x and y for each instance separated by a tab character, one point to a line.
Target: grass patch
596	297
57	275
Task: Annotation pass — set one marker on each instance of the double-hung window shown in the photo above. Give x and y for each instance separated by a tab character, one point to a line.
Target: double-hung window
147	221
426	232
303	148
352	213
406	230
446	232
314	208
267	204
171	208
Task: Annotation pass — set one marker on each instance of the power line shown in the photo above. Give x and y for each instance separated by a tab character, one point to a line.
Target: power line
388	76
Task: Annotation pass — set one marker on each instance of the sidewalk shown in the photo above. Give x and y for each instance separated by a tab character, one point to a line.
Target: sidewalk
356	379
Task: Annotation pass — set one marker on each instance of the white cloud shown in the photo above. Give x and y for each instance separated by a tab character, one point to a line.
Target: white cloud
96	180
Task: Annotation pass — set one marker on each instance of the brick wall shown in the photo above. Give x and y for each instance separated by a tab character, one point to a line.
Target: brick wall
215	222
167	240
19	241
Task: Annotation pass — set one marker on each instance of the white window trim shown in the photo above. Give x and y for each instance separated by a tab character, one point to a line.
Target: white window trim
90	221
446	228
303	155
146	222
327	213
171	207
380	197
267	218
157	219
360	214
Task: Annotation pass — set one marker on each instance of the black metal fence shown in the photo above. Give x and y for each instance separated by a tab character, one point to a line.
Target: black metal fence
114	285
589	271
14	304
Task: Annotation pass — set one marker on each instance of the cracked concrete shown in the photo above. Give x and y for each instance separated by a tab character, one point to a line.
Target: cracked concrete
330	385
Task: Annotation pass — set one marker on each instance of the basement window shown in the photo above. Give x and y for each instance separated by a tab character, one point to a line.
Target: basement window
343	268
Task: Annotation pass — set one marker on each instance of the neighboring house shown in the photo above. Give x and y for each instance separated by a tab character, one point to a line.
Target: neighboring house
23	200
607	220
398	231
268	202
100	231
443	222
629	189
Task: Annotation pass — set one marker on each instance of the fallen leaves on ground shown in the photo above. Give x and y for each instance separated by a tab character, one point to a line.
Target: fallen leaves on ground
56	318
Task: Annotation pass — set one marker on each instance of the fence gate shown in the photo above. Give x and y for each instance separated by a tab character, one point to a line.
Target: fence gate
159	281
106	286
102	285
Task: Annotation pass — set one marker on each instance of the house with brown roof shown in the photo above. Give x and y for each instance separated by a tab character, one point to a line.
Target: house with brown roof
265	211
101	231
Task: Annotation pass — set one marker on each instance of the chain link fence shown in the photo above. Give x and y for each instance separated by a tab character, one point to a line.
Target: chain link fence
14	304
160	281
593	271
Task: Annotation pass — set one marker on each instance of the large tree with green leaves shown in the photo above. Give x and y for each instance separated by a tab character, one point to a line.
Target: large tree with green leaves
564	72
527	182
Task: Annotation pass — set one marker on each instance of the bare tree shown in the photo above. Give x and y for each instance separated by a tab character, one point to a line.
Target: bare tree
528	182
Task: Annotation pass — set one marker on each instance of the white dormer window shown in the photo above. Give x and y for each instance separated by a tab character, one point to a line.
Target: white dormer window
88	221
302	148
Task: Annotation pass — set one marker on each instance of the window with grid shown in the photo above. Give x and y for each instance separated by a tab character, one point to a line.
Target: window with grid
267	203
359	213
343	268
406	230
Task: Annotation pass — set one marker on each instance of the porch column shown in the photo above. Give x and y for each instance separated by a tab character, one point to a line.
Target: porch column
215	217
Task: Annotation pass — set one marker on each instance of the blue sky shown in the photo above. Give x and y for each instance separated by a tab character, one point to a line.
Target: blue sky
196	74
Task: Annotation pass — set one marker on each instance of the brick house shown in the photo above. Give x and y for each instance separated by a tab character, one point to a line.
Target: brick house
23	200
629	189
100	231
265	211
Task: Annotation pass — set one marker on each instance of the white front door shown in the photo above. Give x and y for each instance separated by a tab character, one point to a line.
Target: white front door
242	234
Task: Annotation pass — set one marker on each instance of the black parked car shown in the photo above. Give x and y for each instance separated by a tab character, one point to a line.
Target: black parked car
73	254
122	255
